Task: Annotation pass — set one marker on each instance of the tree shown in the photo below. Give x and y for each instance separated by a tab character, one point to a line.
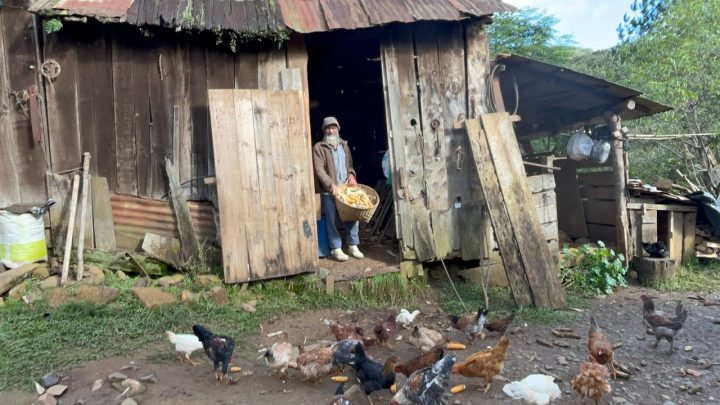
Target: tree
648	15
675	59
530	33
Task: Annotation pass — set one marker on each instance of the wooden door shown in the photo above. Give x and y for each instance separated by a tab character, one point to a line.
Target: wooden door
262	163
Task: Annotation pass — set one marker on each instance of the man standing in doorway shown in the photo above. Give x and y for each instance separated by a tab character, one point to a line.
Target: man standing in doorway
333	166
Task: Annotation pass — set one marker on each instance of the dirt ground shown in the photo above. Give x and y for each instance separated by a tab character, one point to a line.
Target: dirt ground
658	376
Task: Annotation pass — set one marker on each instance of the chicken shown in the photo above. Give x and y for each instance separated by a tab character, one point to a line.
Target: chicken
405	317
471	324
485	364
184	343
592	381
277	356
315	364
663	325
535	389
339	397
425	338
500	325
218	348
599	346
426	386
348	331
657	249
385	330
421	361
345	352
372	375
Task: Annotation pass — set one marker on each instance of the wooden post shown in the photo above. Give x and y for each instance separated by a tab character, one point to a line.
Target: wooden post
618	164
83	210
71	225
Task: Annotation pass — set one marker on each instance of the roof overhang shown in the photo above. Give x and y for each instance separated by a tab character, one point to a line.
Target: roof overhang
554	99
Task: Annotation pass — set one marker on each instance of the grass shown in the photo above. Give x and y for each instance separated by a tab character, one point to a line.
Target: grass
38	339
695	277
502	304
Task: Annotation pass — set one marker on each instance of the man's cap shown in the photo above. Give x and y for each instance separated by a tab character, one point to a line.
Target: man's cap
330	121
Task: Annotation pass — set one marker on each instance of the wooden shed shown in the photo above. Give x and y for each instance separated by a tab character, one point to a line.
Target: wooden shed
130	81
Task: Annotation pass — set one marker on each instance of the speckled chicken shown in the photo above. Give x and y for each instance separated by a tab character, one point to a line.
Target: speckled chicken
592	381
426	386
277	356
315	364
470	324
425	339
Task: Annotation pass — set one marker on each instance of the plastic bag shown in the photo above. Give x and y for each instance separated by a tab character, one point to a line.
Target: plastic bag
580	146
600	151
22	239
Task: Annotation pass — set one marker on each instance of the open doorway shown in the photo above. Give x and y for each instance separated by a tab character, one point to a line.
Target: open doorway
345	80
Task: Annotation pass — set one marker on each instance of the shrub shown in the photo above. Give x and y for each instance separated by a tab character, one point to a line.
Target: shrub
593	268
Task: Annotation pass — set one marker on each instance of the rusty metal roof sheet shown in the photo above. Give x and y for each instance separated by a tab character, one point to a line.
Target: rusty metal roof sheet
302	16
135	216
552	98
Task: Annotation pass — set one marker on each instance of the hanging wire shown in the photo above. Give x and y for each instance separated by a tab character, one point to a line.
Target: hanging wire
491	93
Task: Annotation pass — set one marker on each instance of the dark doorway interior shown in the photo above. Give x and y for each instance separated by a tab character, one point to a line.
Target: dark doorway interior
345	80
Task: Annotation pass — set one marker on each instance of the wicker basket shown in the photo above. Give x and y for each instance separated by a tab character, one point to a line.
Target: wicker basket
348	213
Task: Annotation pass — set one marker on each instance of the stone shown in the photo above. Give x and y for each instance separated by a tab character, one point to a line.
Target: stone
50	282
94	275
562	361
136	387
643	363
57	390
98	295
47	399
357	396
323	273
49	379
619	400
247	307
688	348
695	389
168	281
17	292
151	296
189	296
97	385
669	403
2	301
149	378
129	401
114	377
79	402
207	279
121	275
218	295
41	272
142	282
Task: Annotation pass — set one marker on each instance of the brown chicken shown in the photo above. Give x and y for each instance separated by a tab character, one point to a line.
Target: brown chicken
471	324
348	331
315	364
385	330
485	364
421	361
500	325
592	381
663	325
600	348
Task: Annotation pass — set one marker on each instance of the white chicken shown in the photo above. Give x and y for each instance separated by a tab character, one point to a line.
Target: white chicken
536	389
405	317
184	344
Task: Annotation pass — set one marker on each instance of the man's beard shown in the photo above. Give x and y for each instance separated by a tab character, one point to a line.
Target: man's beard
332	139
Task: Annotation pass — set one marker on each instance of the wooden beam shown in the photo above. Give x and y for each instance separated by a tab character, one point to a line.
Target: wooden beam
71	226
660	207
618	163
188	237
83	210
103	226
689	219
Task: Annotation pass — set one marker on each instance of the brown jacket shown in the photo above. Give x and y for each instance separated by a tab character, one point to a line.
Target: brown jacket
325	166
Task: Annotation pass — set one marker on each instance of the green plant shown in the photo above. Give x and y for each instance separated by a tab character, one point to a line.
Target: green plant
597	269
52	25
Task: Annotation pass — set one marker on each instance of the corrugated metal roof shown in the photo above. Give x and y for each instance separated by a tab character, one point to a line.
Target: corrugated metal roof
135	216
553	97
302	16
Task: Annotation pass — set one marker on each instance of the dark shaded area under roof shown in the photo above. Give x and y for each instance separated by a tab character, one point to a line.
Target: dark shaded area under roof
303	16
554	98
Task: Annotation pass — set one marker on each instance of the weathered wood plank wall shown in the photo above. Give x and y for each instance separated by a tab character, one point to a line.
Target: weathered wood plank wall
131	100
22	161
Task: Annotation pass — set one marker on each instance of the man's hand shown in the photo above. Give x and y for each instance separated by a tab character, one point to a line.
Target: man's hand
351	181
333	189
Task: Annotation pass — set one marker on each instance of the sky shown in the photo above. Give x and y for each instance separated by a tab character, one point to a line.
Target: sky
591	22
